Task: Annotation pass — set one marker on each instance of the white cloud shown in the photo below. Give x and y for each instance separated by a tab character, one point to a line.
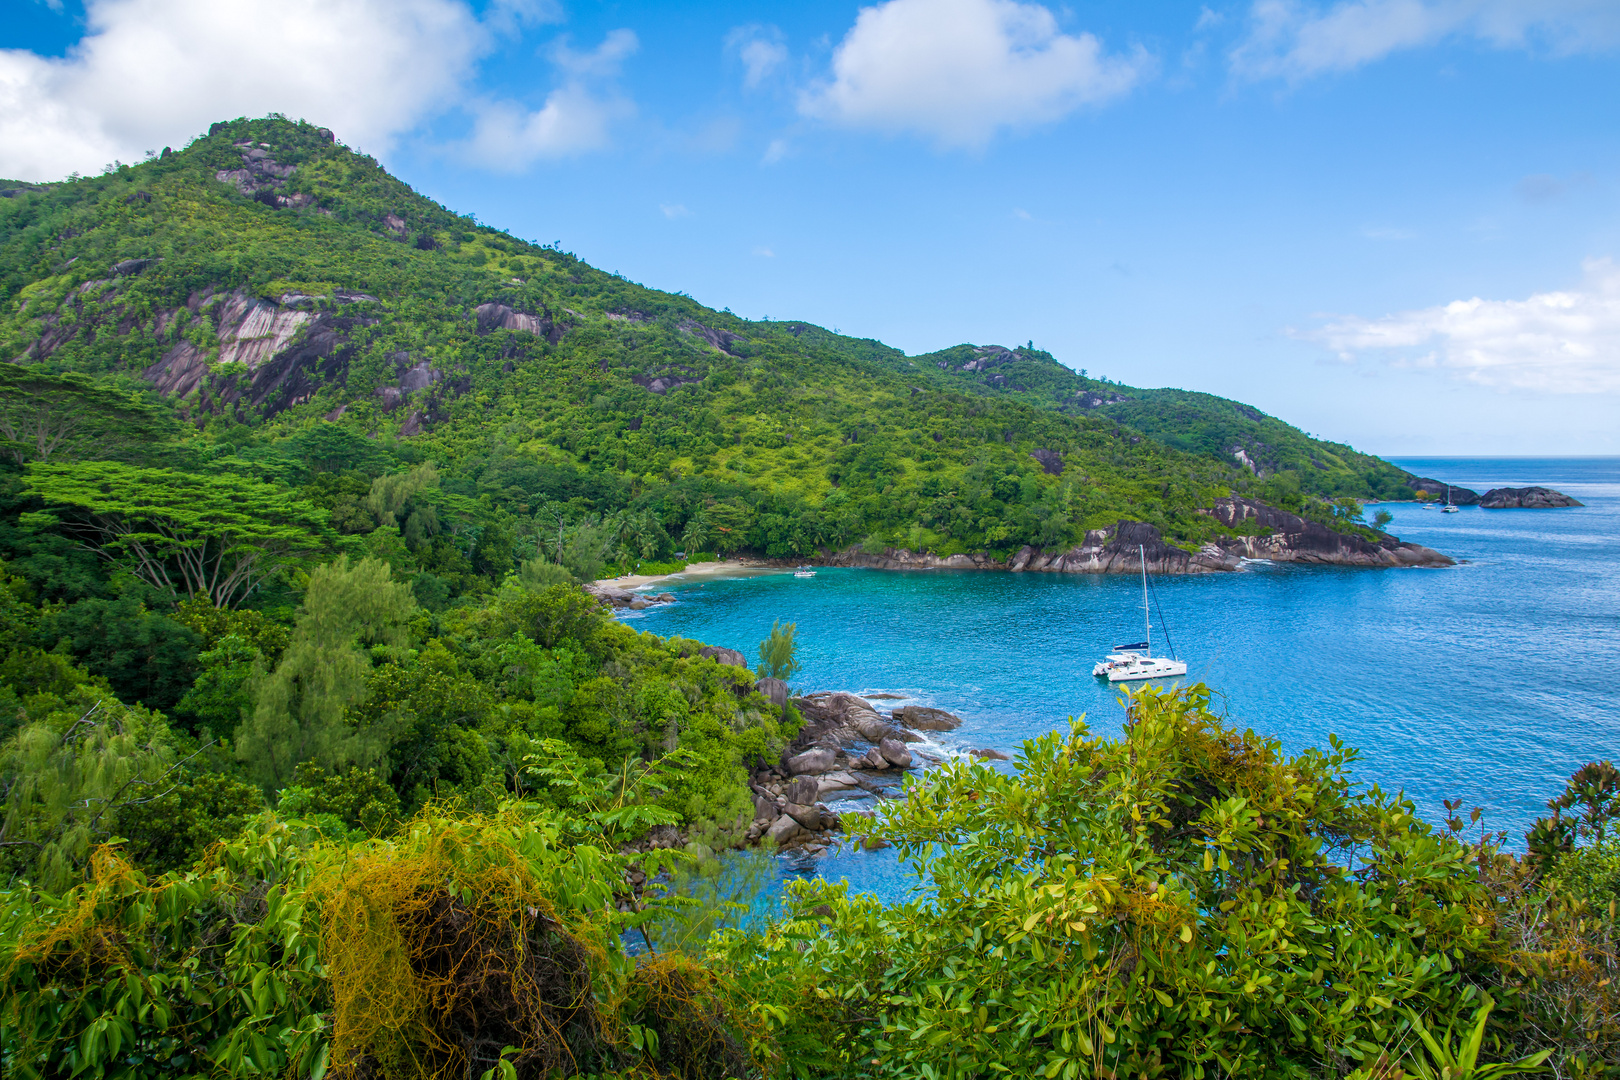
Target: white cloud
760	49
150	72
1293	40
958	70
776	151
1556	342
765	253
674	210
576	118
511	16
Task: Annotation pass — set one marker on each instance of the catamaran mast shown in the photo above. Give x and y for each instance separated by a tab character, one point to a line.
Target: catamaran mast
1147	612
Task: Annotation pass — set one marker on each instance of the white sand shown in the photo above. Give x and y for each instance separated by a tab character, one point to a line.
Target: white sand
693	571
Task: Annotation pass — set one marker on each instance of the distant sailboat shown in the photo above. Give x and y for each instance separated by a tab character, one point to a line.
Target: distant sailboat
1128	663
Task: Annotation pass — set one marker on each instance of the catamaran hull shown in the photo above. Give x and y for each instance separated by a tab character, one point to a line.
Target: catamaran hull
1157	669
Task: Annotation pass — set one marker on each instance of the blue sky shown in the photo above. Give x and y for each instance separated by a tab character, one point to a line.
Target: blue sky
1391	222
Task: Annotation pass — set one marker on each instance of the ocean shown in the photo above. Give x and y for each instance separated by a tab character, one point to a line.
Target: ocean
1490	681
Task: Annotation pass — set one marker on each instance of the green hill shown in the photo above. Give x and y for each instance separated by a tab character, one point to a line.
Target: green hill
306	317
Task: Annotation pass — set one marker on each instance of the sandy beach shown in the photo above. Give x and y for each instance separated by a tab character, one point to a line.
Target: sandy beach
693	571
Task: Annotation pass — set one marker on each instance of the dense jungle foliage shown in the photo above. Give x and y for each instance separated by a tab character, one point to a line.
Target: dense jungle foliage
1187	901
313	322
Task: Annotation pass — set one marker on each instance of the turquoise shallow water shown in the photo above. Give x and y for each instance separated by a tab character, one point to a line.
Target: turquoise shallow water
1491	681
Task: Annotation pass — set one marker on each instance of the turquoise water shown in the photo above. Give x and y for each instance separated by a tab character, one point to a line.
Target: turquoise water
1490	681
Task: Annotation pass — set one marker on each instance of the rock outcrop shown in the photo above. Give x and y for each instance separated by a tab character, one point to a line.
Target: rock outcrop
1526	498
1291	538
287	347
496	316
922	718
1272	534
1438	489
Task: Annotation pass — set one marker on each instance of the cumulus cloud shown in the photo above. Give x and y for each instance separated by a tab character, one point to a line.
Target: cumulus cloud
576	117
150	72
957	71
1556	342
761	51
1294	40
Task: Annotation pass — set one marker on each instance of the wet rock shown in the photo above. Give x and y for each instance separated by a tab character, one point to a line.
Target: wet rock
872	759
819	760
923	718
774	689
784	829
1525	498
835	782
895	753
639	604
665	598
808	817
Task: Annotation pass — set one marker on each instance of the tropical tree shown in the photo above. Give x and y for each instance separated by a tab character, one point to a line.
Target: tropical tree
777	653
66	778
69	417
299	709
217	536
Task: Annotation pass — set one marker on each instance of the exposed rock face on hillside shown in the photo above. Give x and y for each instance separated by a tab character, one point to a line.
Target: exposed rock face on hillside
1526	498
492	317
1120	549
262	177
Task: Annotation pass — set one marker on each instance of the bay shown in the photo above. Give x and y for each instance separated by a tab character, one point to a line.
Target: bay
1490	681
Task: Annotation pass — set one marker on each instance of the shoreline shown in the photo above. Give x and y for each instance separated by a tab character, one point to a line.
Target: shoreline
693	571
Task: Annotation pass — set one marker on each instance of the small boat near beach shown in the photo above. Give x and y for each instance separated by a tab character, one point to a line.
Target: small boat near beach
804	571
1450	507
1129	663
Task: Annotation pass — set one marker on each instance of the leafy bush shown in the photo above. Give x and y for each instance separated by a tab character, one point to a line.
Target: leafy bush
1187	901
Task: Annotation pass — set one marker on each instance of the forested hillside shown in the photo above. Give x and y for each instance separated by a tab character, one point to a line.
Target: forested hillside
306	319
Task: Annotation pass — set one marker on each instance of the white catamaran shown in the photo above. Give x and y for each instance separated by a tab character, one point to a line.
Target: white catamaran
1131	662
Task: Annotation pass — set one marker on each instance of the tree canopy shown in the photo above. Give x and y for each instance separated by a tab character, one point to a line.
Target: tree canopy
186	534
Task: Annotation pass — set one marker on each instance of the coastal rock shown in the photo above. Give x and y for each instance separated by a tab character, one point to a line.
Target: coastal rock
831	707
804	790
724	656
835	782
1120	548
808	817
774	689
872	759
1438	489
819	760
874	728
784	829
990	755
1526	498
895	753
1291	538
922	718
765	809
639	603
607	594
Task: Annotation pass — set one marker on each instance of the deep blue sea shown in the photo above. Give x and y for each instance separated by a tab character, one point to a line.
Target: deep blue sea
1490	681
